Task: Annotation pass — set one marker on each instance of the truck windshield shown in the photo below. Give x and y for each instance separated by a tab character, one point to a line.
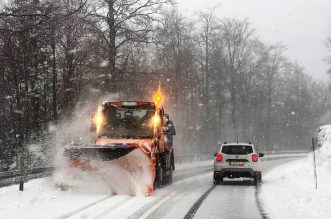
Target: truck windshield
128	122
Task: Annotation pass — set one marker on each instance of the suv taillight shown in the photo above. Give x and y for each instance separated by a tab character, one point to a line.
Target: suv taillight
255	158
219	157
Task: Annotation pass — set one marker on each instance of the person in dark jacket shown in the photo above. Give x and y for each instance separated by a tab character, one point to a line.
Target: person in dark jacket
169	141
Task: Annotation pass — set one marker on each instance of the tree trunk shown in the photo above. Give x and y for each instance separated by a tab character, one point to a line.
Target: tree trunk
112	47
54	73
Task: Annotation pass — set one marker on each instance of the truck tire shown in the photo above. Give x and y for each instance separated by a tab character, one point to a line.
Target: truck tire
159	181
169	178
160	177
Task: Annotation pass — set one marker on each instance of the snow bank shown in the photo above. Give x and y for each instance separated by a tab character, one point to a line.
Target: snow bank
289	190
324	142
41	199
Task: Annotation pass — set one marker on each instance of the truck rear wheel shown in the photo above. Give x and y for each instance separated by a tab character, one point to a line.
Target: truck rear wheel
164	169
159	175
172	160
160	170
169	178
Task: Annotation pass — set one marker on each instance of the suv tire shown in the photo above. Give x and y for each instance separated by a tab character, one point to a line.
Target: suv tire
258	178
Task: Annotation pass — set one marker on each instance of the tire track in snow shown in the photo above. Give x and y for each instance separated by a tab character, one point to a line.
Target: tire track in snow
190	214
111	208
70	214
259	204
152	205
147	213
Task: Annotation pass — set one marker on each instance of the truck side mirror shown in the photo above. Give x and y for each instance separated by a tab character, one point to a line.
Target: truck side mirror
93	125
166	118
261	154
165	130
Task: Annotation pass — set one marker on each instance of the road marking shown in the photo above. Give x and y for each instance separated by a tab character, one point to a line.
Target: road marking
156	206
85	207
112	207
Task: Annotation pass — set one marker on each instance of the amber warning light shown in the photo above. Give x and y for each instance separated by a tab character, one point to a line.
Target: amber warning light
98	119
158	98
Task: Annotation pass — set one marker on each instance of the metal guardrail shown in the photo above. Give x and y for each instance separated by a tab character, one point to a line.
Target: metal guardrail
193	158
13	177
205	157
11	174
287	152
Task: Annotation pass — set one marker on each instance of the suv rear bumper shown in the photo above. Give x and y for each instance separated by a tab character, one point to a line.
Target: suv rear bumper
236	173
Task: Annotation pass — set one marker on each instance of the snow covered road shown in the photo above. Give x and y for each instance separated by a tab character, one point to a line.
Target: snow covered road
230	200
235	198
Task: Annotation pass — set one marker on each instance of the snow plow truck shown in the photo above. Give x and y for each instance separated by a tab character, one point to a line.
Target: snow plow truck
131	150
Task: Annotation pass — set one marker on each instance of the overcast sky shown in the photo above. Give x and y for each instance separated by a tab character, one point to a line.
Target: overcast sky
302	25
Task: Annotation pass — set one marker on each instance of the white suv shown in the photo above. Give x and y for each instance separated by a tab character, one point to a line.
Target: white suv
235	160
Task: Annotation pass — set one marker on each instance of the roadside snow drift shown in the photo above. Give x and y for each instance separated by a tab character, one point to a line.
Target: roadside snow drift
289	190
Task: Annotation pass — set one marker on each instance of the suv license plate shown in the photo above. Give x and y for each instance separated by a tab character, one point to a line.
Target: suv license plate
236	163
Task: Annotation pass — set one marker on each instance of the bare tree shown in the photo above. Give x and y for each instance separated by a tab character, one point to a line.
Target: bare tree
273	71
119	22
237	37
176	56
328	57
208	24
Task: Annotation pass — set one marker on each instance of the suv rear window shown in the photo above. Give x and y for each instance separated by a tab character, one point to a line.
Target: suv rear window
237	149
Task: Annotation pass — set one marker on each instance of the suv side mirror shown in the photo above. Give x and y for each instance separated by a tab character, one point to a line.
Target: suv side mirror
93	125
261	154
215	154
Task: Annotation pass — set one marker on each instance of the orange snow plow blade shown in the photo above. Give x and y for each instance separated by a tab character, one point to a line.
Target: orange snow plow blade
123	169
131	174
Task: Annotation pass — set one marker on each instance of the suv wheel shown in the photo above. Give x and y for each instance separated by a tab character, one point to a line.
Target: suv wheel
218	180
256	180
